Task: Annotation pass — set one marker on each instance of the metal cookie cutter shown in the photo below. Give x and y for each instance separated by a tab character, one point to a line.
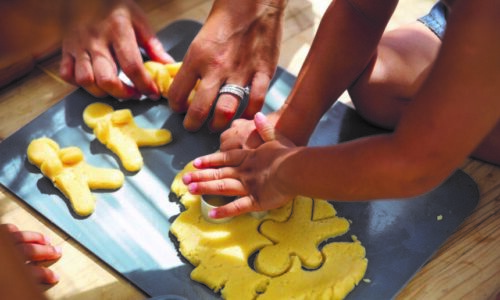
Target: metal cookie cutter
209	202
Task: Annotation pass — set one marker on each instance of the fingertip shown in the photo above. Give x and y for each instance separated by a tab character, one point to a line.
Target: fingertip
46	240
213	213
197	163
54	278
44	275
192	187
190	125
260	117
58	251
51	277
186	179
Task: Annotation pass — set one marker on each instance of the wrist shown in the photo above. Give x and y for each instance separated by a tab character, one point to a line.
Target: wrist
284	166
286	124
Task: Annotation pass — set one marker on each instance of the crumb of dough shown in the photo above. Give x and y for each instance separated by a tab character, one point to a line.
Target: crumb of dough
164	74
220	252
367	280
439	217
118	131
69	172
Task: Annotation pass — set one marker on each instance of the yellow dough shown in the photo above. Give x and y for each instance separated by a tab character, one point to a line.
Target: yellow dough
296	236
69	172
284	241
119	132
163	75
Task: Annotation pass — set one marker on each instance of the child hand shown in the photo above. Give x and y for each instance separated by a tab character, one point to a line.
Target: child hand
250	174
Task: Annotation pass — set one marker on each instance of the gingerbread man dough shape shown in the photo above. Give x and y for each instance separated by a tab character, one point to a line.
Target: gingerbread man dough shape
119	132
69	172
163	75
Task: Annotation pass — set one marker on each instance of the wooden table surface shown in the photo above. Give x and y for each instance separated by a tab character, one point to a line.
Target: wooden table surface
466	267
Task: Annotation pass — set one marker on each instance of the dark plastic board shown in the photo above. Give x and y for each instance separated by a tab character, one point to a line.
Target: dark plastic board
129	229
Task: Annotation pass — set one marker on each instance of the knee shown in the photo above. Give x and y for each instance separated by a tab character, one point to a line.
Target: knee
378	104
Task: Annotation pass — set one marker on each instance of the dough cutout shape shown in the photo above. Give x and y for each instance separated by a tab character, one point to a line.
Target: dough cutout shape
221	252
300	236
163	75
118	131
69	172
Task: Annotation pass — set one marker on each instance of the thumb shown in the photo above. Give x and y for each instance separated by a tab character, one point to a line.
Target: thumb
264	127
237	207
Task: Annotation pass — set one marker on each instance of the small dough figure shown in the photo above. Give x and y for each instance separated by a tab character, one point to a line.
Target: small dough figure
119	132
163	75
69	172
285	242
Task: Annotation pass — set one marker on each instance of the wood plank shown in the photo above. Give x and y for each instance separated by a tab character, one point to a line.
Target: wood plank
27	98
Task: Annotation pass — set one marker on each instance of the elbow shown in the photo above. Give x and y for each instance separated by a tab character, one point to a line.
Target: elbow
420	176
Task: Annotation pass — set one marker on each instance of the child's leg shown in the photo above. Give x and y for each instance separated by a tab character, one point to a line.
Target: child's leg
396	72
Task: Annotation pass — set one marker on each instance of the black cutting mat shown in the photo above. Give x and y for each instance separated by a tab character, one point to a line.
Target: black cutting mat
129	229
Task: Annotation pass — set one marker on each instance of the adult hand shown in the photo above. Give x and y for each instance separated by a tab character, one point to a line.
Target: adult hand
35	247
250	174
238	44
92	51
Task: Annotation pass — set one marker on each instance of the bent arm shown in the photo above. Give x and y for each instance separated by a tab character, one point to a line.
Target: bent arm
456	107
344	44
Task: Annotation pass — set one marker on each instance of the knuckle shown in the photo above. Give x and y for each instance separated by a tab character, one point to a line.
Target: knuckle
226	158
220	186
106	81
217	174
238	207
198	112
85	79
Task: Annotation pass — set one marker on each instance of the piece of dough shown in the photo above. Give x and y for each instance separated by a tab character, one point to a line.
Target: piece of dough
119	132
164	74
69	172
220	252
299	236
344	267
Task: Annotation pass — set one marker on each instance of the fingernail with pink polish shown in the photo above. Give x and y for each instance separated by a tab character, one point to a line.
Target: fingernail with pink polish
197	163
212	213
186	178
192	187
58	250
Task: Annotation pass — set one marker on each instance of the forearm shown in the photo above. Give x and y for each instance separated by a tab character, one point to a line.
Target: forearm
368	168
344	44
